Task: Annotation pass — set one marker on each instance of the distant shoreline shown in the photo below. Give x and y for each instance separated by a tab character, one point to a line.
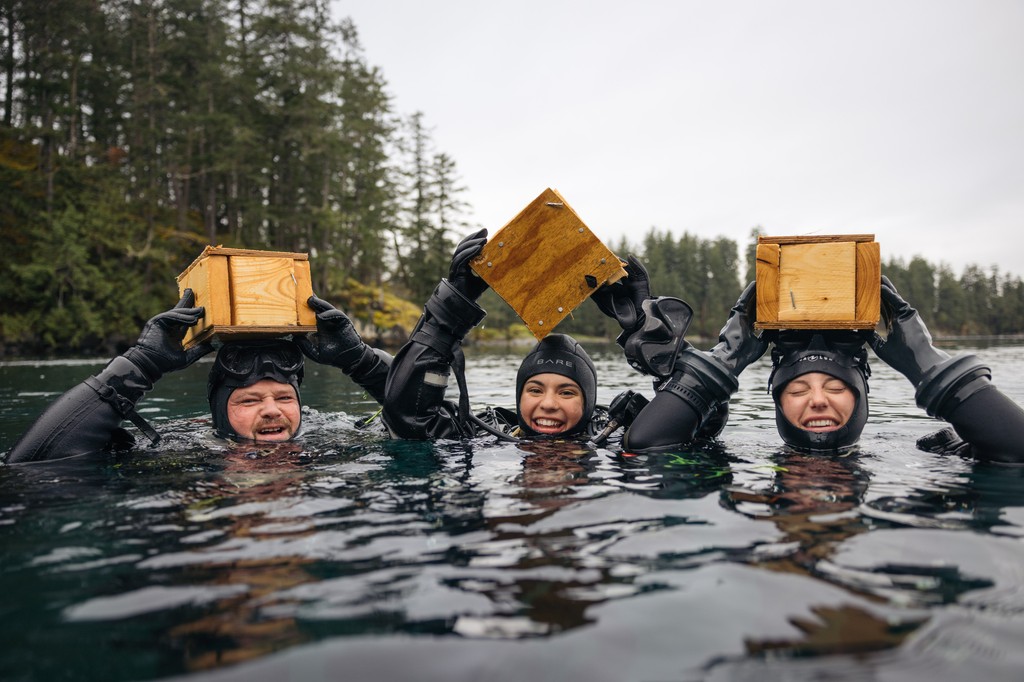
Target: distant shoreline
528	341
982	337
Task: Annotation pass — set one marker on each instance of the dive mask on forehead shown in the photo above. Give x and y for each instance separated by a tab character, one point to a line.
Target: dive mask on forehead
839	341
241	361
244	363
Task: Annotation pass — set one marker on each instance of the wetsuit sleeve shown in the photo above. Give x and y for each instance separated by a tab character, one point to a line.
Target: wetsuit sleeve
667	421
992	423
414	404
694	399
87	418
371	372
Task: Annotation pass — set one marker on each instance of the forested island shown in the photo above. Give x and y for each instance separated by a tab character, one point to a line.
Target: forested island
135	133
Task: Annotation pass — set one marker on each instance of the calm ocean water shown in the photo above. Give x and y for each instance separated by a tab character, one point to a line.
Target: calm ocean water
351	556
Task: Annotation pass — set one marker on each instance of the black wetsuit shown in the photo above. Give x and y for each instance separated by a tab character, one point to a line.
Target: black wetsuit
415	407
87	419
992	424
80	422
414	404
989	422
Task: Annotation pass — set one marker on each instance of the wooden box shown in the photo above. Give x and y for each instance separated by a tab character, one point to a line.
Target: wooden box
545	262
818	282
249	293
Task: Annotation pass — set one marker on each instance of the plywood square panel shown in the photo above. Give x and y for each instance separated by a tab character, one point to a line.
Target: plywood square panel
545	262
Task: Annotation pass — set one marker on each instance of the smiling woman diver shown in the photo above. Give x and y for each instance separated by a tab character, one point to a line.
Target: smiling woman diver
813	412
556	385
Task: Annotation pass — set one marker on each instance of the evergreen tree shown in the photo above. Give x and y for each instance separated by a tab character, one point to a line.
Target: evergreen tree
360	214
951	303
134	132
431	211
919	287
750	274
721	265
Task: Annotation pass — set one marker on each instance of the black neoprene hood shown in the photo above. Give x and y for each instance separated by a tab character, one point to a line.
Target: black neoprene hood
243	363
844	360
560	354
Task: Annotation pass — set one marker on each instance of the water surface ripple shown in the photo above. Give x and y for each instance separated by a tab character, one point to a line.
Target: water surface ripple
350	555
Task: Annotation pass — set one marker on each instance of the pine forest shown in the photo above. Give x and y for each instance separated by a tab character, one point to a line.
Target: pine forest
135	132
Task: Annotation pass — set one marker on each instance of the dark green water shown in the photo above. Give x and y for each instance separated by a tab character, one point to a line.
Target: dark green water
351	556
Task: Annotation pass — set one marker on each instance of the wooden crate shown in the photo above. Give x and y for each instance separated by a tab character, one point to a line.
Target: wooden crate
545	262
249	294
818	282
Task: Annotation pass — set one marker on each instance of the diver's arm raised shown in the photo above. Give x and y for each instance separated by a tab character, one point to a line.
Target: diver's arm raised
693	399
87	418
414	404
957	388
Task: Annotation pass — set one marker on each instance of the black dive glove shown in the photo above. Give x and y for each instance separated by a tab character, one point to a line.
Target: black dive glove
908	347
159	348
460	274
335	341
706	380
654	348
623	300
942	382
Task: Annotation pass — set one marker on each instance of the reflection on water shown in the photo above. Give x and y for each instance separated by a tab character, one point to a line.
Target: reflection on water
351	555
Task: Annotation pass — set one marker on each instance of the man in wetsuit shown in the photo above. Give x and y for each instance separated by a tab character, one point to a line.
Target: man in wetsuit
253	388
556	385
813	413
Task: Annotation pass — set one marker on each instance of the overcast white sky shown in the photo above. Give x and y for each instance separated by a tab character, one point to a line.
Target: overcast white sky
901	118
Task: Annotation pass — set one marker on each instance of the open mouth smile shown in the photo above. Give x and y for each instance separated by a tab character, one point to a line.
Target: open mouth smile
821	424
545	425
271	432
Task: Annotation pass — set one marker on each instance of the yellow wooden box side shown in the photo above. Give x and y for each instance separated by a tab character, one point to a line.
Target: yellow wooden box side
818	282
303	290
208	280
767	280
869	278
262	291
249	293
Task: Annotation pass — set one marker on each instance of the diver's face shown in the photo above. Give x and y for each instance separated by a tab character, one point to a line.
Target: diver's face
267	411
551	403
817	402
